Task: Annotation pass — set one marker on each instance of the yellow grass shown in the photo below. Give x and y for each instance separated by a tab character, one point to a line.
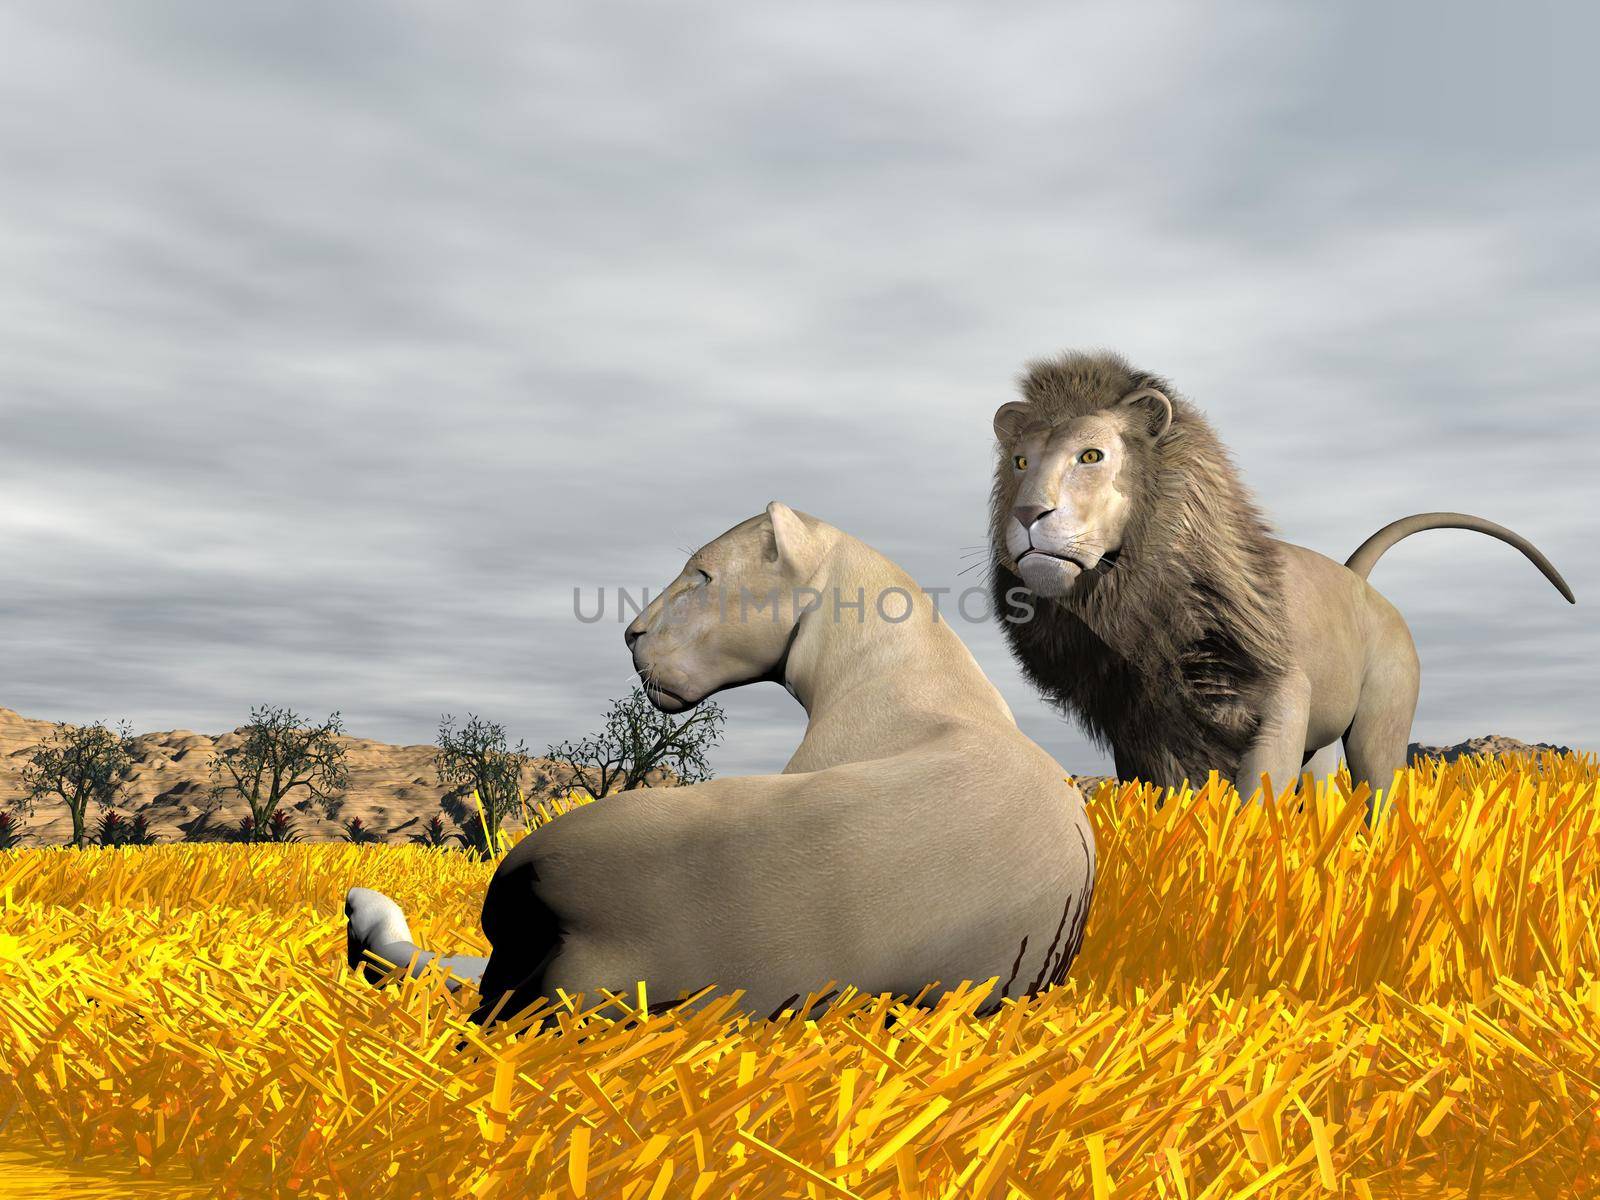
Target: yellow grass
1272	1001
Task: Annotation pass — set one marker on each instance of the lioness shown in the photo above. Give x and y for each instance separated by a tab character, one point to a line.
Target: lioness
916	837
1177	630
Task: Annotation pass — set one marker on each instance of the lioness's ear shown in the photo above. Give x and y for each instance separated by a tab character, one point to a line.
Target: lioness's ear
1154	407
1010	419
797	547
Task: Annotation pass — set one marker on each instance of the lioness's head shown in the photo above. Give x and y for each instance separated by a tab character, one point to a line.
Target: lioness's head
727	619
1072	453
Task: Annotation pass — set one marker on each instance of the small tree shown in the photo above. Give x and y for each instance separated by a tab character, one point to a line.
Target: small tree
476	758
78	763
638	740
281	753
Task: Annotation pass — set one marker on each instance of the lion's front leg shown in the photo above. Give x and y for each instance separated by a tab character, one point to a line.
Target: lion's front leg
1279	746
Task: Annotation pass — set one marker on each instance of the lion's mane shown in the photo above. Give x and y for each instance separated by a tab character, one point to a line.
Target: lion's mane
1161	654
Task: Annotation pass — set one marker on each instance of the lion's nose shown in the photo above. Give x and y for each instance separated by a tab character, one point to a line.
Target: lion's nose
632	634
1029	513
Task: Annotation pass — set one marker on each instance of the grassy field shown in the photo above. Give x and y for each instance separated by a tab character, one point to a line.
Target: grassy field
1273	1000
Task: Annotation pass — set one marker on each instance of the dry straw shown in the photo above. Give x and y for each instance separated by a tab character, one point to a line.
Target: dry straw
1273	1000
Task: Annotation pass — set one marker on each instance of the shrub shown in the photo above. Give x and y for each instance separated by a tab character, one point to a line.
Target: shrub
281	828
433	833
10	831
117	830
357	831
113	829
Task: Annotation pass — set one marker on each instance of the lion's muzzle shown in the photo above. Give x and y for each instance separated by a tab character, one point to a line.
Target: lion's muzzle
1046	574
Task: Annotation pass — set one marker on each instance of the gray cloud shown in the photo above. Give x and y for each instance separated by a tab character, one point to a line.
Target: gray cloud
337	347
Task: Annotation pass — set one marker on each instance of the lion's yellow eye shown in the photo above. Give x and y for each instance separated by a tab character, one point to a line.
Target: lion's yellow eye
1091	456
1021	461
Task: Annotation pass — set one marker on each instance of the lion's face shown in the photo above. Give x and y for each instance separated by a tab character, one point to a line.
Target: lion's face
1067	492
726	619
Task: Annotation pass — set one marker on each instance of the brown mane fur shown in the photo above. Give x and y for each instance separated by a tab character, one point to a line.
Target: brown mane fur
1162	655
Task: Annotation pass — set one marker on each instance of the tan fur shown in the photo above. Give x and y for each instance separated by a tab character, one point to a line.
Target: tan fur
1171	623
915	836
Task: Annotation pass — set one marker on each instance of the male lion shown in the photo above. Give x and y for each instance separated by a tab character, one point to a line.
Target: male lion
1179	633
916	836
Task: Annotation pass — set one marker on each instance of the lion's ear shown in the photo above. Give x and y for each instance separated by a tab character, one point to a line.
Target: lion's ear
1010	419
1154	409
797	548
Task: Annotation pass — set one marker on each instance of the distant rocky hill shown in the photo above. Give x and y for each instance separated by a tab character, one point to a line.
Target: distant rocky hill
393	789
1490	743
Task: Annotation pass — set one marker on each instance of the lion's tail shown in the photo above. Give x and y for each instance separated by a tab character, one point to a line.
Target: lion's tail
1371	550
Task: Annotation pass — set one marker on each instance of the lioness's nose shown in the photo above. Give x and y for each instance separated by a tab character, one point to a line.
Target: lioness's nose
1029	513
632	634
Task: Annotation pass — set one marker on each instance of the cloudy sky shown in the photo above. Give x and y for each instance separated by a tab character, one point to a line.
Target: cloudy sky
339	343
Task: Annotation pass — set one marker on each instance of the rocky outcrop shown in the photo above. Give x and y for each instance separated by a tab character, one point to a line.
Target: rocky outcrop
1491	743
